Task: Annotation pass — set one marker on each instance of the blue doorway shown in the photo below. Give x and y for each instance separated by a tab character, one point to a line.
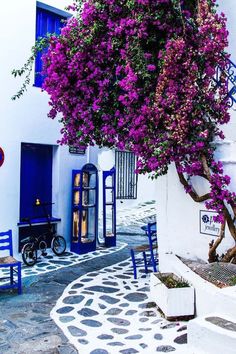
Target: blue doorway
35	179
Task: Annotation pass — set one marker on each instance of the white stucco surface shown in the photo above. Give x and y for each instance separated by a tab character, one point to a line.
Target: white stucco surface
178	216
207	338
208	297
25	120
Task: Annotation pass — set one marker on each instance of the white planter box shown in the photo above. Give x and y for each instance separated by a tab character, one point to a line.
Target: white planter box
175	302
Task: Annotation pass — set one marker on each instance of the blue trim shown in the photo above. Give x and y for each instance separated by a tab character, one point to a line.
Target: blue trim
48	20
151	258
6	239
77	245
138	262
152	227
230	72
39	221
36	179
110	241
56	11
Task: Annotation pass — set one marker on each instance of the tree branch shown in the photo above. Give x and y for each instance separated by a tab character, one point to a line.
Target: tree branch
206	167
192	193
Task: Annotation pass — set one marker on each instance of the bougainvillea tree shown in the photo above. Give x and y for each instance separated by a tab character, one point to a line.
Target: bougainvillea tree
140	75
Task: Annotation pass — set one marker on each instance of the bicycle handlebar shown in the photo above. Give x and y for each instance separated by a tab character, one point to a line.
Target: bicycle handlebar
25	219
37	204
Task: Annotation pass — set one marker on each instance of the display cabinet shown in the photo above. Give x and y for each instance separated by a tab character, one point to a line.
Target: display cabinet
84	209
109	207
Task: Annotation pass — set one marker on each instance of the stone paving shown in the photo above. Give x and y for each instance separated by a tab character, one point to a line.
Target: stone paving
96	304
53	262
128	221
25	323
109	312
137	215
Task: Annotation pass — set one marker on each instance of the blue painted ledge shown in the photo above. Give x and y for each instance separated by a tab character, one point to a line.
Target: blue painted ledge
38	221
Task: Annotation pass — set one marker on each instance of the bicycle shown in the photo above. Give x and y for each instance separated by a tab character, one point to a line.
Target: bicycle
29	251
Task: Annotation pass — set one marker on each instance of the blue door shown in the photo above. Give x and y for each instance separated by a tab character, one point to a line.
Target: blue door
36	179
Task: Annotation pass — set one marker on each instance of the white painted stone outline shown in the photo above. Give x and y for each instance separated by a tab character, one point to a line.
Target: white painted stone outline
135	215
35	270
92	332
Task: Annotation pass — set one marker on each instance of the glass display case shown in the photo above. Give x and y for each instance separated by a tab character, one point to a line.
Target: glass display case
109	207
84	209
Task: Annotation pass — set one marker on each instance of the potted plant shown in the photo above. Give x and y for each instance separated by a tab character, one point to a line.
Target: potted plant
173	295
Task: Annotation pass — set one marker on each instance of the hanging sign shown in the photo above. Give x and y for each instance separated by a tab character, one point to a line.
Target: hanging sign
207	224
1	156
76	150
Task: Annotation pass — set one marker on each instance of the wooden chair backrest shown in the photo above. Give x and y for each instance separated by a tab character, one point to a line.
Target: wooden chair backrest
6	241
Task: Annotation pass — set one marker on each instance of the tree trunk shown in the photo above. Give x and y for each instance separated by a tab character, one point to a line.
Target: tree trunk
212	255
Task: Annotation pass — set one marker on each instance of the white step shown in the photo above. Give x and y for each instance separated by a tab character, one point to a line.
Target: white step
212	334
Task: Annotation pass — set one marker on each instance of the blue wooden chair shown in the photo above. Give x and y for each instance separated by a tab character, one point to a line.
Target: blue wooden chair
138	258
146	256
9	263
151	256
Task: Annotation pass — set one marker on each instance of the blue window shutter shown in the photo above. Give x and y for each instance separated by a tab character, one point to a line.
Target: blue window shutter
46	22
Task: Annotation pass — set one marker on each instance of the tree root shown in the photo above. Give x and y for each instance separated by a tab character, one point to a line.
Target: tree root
230	255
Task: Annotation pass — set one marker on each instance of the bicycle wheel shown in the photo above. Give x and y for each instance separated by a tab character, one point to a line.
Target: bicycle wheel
29	254
58	245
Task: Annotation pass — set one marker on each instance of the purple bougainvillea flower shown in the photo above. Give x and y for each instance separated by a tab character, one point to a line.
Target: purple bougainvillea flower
135	75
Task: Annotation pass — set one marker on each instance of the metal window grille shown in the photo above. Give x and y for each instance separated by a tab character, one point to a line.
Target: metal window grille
126	178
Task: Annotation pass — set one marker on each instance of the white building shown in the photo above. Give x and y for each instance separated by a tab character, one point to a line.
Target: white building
181	231
178	215
35	166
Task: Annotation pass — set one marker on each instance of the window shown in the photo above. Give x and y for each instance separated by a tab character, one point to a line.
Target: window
126	178
48	20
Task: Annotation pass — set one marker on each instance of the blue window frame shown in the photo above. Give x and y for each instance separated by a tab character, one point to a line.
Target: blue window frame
48	20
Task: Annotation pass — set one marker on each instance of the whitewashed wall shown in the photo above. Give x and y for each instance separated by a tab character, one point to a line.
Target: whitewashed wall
178	215
25	120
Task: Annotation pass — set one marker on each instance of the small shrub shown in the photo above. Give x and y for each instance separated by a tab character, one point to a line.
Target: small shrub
172	281
232	281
